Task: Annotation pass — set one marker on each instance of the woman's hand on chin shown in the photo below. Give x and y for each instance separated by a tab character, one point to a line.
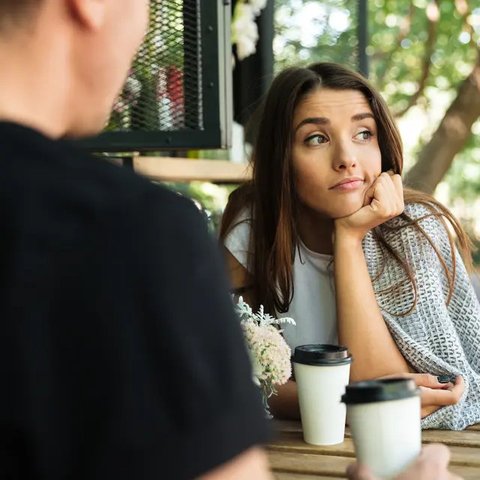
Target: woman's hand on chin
383	201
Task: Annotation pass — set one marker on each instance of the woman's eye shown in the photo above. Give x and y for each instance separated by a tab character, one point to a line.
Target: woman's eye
364	135
316	139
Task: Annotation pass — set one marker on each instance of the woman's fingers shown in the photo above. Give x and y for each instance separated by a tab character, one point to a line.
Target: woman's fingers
434	381
431	381
427	380
388	195
433	393
382	201
369	195
443	396
433	398
398	185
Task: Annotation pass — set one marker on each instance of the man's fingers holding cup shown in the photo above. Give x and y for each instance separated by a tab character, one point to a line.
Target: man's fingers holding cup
432	464
437	453
356	471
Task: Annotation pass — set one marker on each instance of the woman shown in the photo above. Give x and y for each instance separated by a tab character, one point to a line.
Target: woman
326	234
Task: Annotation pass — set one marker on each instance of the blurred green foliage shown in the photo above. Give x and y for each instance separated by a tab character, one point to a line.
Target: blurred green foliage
307	31
404	45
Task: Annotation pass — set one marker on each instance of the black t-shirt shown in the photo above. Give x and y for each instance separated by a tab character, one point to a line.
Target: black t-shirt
120	356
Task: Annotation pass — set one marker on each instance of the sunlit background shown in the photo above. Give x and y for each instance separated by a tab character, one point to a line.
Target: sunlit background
419	53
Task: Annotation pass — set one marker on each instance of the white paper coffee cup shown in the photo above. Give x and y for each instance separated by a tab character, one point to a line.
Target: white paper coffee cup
321	373
384	417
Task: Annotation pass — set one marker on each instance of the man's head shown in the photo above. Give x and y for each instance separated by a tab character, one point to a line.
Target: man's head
78	51
15	12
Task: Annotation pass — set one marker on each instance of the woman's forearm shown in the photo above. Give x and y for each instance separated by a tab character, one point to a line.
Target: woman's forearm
284	405
361	326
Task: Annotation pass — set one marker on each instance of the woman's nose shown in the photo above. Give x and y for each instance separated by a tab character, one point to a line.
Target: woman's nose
344	157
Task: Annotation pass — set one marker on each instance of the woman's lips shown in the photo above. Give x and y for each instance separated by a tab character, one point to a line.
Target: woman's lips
348	185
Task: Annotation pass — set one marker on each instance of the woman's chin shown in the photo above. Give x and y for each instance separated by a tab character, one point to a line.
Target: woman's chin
335	209
346	211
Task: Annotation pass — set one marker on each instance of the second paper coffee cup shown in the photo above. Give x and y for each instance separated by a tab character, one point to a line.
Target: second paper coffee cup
384	417
322	373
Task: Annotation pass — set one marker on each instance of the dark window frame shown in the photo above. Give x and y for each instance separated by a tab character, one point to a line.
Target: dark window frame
215	66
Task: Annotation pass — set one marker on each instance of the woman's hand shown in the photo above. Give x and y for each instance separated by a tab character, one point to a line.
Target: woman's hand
360	324
383	201
433	393
432	464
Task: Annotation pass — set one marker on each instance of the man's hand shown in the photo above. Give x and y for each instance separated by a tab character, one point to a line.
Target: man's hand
432	464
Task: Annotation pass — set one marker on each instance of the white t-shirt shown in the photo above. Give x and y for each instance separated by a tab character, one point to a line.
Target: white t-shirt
313	304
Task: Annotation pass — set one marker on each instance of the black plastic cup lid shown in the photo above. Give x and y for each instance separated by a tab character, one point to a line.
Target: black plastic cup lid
321	354
380	390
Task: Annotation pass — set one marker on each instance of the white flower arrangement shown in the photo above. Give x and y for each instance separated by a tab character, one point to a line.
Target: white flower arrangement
269	353
244	28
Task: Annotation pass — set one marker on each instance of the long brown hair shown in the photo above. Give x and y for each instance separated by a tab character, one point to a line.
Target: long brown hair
271	197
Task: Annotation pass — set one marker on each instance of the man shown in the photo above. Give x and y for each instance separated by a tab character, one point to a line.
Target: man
120	356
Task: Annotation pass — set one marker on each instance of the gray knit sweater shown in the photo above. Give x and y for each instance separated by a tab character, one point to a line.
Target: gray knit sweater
435	337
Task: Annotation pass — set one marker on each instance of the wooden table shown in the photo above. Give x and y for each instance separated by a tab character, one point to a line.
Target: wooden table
293	459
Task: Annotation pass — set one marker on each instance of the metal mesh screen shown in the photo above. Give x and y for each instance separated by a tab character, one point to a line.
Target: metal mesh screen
164	89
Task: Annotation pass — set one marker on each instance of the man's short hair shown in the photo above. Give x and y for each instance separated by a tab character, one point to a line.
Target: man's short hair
16	12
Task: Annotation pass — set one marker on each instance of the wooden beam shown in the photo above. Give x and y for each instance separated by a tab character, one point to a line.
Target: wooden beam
186	170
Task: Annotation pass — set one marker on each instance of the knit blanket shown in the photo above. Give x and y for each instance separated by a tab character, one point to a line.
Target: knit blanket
435	337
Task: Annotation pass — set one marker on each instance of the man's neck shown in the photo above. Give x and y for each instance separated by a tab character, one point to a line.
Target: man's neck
33	90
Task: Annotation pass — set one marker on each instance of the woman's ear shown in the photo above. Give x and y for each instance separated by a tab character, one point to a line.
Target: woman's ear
90	13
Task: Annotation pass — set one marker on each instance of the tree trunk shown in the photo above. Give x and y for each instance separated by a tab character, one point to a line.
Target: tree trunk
451	135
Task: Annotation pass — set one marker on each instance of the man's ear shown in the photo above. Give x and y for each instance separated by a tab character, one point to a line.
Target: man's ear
90	13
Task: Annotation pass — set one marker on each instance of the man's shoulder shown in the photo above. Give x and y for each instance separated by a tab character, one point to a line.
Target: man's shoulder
45	171
123	184
141	202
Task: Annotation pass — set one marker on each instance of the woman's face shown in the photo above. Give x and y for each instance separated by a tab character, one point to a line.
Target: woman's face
335	154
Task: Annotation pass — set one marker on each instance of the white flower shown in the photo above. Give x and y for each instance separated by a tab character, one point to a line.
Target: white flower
269	353
261	318
243	22
258	5
244	28
245	47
